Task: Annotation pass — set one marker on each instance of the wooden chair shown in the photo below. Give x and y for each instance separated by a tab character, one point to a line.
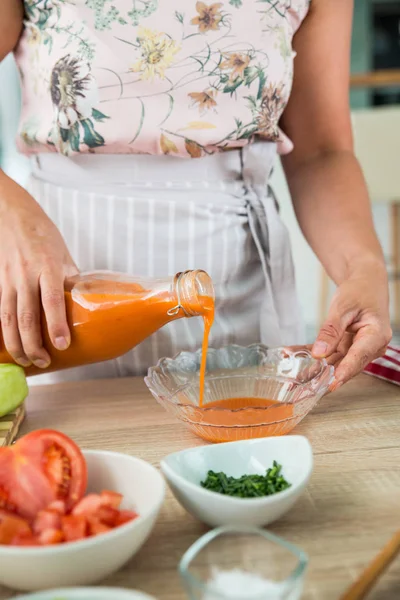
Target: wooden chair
377	147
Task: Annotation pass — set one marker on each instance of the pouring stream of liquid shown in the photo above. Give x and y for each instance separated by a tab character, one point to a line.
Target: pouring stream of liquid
208	319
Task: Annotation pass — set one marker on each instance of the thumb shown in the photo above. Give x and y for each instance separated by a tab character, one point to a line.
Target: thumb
331	333
71	271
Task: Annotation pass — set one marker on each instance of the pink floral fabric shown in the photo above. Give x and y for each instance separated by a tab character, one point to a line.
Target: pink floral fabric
175	77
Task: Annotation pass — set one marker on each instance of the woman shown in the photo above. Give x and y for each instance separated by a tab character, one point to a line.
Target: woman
153	129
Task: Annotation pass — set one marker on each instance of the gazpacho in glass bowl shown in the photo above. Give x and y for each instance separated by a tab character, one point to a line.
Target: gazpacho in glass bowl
249	392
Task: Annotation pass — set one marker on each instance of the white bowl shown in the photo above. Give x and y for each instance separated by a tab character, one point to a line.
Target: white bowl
185	470
87	593
93	559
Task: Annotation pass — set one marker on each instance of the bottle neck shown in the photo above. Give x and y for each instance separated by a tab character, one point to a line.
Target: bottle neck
194	292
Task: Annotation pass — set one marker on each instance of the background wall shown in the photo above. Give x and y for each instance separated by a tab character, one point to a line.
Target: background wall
360	50
308	269
13	163
307	266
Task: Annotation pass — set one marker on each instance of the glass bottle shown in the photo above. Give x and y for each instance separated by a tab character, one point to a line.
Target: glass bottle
110	313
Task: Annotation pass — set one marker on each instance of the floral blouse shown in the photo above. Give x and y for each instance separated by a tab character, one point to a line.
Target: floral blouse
175	77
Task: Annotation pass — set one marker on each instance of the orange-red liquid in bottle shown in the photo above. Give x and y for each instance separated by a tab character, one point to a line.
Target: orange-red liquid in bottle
109	314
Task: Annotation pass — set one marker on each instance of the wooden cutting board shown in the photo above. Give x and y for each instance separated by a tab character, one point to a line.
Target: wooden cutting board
9	426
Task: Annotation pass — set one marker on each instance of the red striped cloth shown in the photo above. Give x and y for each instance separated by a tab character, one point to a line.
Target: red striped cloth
387	367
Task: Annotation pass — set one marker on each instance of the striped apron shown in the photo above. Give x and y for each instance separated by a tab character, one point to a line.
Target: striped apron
155	216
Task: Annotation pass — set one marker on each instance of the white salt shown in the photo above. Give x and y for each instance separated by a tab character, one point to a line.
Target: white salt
243	585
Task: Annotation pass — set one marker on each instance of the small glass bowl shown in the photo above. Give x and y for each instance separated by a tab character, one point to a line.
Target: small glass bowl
294	380
224	556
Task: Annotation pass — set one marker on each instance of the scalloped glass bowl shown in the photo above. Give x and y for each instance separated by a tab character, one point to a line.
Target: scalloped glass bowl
294	380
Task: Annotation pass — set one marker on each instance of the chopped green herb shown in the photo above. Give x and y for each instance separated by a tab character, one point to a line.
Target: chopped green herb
247	486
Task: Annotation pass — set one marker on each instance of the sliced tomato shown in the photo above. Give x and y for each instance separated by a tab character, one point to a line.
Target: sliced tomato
6	475
63	464
42	467
89	505
124	516
74	527
12	525
51	536
58	506
112	499
46	519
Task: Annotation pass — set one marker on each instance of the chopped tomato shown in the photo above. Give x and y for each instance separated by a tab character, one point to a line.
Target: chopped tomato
125	516
93	503
74	527
4	514
89	505
46	519
107	515
96	526
42	467
27	539
50	536
12	525
112	499
99	510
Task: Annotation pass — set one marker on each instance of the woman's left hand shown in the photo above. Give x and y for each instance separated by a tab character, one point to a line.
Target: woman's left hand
357	328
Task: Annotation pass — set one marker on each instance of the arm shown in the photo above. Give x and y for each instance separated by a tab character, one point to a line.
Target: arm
329	193
11	20
33	258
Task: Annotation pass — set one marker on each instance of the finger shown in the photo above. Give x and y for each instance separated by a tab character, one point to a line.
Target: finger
367	345
335	384
70	268
9	327
334	359
28	306
332	331
337	357
53	301
345	343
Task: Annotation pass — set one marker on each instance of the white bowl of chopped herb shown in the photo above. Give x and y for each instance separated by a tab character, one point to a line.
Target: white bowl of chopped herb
250	482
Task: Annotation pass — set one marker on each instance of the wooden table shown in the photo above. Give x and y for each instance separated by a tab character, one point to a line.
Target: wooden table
350	509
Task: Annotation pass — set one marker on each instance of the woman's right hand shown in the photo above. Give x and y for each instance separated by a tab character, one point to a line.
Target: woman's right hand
34	262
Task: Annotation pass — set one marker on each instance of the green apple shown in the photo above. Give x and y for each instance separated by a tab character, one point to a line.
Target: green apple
13	388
